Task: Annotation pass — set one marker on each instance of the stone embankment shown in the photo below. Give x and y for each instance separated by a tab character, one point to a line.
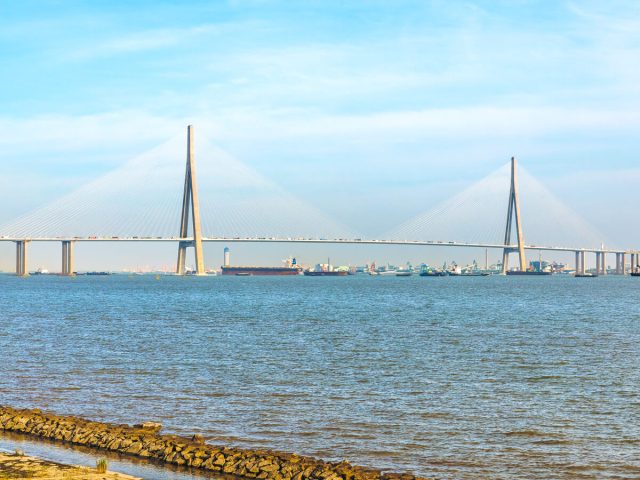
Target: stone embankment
145	440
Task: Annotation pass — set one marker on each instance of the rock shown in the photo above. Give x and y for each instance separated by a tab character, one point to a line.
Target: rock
153	426
228	469
171	457
271	467
197	438
135	447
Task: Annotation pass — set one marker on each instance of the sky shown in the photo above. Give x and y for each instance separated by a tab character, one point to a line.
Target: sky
372	112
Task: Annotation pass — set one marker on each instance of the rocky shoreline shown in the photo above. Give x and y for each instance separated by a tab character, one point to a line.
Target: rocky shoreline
144	440
14	465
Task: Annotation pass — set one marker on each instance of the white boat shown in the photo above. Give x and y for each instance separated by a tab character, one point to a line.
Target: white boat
455	271
403	273
387	272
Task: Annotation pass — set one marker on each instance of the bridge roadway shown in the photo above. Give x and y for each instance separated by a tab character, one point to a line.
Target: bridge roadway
354	241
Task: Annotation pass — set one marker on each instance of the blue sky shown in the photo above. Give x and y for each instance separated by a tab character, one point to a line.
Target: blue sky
372	111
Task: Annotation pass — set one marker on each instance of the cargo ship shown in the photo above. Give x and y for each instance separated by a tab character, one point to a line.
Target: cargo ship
247	271
290	267
326	270
321	273
433	273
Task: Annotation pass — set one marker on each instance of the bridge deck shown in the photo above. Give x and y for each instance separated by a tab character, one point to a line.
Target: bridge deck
357	241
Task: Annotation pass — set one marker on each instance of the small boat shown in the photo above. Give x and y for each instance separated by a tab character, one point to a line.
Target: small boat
585	275
387	272
403	273
433	273
243	274
455	271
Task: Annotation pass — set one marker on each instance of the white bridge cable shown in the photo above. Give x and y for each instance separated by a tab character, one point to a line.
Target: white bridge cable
238	202
116	204
478	215
549	221
143	198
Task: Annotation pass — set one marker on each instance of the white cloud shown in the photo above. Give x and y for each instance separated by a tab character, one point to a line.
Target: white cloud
113	131
128	130
150	39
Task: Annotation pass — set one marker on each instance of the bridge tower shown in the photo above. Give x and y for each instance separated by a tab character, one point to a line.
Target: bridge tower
190	204
514	210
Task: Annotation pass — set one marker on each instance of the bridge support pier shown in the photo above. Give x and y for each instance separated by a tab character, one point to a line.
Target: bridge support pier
580	266
191	204
513	210
601	268
67	258
634	263
21	258
619	263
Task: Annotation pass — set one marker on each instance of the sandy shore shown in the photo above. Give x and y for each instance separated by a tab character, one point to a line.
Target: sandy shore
22	466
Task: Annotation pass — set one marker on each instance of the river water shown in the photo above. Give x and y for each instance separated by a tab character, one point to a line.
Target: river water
500	377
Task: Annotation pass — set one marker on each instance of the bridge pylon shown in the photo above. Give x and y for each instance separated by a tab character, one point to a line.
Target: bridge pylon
513	210
190	204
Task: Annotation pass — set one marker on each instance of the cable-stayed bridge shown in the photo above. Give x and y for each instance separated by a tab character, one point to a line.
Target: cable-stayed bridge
141	202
